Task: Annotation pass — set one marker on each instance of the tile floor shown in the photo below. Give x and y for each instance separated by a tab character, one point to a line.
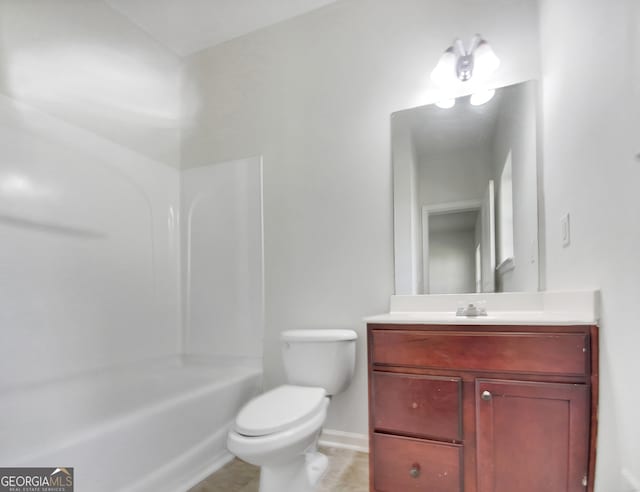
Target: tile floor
348	472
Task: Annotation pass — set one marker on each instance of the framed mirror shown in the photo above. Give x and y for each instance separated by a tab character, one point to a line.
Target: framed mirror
466	194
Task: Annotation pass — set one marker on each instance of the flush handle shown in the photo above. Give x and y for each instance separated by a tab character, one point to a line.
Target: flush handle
415	470
486	395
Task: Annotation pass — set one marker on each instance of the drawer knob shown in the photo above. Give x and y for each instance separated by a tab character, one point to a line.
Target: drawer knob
414	405
415	470
486	395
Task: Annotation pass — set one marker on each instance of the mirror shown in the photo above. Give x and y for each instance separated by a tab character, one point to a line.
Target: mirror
466	194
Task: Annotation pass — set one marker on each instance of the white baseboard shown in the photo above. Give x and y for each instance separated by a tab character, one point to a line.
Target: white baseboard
345	440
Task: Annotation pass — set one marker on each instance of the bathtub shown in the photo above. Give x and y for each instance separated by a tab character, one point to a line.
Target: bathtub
156	427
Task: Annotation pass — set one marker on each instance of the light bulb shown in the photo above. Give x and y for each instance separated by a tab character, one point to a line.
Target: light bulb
485	61
446	103
482	97
445	71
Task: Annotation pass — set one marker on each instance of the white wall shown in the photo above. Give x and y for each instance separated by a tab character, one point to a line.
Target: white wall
458	175
416	226
313	95
452	262
88	205
516	132
590	64
222	258
407	226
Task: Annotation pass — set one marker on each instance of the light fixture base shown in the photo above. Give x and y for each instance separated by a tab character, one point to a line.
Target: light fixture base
462	63
464	67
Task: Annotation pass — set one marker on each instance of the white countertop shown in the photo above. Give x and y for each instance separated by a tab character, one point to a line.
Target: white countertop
536	308
497	318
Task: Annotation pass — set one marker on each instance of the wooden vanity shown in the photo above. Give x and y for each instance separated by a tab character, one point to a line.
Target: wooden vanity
482	408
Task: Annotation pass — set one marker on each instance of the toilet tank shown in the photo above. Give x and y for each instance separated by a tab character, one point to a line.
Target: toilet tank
322	358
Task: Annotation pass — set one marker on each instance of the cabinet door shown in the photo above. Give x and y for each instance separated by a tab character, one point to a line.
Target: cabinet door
531	437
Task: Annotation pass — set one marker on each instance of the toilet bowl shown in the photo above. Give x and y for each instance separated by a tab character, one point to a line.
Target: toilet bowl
278	434
279	429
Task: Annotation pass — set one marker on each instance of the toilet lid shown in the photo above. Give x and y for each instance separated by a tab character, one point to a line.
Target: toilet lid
279	409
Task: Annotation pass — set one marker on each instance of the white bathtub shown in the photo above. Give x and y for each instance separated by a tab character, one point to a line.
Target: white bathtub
155	427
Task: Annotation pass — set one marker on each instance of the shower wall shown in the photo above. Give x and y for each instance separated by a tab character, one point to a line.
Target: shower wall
89	193
222	245
91	115
85	64
88	263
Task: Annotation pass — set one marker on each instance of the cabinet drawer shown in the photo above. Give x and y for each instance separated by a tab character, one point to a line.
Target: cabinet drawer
427	406
537	353
403	464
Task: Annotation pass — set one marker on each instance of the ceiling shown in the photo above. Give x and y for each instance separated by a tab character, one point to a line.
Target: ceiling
437	131
453	221
187	26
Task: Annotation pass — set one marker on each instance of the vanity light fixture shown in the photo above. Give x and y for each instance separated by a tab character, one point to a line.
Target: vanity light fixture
460	63
482	97
446	103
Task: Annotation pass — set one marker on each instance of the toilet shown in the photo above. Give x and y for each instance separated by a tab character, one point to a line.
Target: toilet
279	429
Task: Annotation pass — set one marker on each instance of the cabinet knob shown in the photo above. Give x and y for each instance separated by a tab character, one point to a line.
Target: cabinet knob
486	395
415	470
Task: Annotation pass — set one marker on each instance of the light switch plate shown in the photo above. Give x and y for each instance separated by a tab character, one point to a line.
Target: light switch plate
565	233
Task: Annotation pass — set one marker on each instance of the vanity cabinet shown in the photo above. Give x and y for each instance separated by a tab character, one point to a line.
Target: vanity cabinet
482	408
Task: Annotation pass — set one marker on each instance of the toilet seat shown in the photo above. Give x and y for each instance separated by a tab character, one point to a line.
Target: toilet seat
281	447
279	409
